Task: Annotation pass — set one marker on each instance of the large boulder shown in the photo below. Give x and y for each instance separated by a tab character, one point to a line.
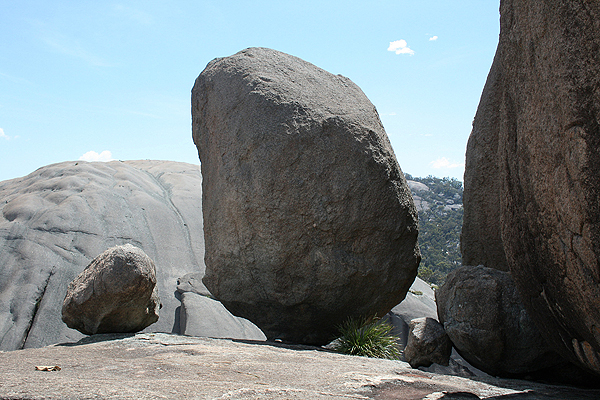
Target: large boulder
488	325
56	220
116	293
307	216
538	135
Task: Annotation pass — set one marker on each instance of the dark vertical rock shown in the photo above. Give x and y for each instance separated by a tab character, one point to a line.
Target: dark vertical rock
548	160
307	216
481	239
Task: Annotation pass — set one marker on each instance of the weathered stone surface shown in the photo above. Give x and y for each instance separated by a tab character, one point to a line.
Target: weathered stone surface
116	293
162	366
308	218
427	344
203	316
539	125
56	220
488	325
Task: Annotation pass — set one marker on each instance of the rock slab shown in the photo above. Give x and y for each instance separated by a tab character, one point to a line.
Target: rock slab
116	293
307	215
427	344
161	366
482	314
538	135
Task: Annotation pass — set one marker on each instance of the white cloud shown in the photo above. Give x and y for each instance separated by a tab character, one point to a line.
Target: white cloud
431	39
4	135
400	47
93	156
444	163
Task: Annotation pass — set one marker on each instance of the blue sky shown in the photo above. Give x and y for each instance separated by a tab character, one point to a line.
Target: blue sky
112	80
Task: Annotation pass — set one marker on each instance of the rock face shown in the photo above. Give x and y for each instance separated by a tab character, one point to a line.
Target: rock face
116	293
308	218
480	239
488	325
428	343
537	135
56	220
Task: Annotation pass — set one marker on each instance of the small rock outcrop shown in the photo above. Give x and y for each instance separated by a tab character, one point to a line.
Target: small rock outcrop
427	344
56	220
307	216
116	293
202	315
206	317
482	314
535	153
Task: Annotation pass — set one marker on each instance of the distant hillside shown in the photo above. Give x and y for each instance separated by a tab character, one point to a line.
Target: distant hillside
439	204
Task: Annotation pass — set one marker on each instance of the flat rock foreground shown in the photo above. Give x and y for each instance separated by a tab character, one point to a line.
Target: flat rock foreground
165	366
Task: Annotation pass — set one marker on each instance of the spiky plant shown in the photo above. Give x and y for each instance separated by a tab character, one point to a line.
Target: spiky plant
369	337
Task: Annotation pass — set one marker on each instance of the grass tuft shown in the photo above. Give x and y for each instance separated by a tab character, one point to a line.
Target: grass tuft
368	337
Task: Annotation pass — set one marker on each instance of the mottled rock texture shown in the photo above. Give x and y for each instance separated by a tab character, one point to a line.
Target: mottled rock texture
427	344
488	325
536	143
56	220
116	293
308	218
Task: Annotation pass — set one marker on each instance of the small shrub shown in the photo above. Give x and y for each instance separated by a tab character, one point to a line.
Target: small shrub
369	337
416	292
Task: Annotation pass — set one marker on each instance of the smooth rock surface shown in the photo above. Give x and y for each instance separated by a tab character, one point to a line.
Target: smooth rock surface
539	127
203	316
147	366
56	220
308	218
488	325
116	293
419	302
428	343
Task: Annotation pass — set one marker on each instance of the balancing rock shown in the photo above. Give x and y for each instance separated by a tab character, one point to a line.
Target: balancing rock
308	218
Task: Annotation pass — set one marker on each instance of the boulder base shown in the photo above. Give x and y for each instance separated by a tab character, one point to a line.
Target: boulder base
488	325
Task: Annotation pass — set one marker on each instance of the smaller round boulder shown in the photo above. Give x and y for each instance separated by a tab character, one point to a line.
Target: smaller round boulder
116	293
483	315
428	343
